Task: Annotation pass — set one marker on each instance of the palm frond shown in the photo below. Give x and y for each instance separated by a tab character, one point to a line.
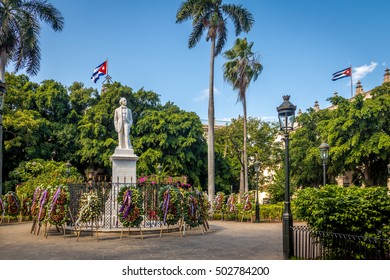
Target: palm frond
185	11
242	67
196	34
20	28
46	12
243	20
222	33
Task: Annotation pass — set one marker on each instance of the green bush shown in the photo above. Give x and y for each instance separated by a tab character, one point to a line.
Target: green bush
271	212
32	174
352	210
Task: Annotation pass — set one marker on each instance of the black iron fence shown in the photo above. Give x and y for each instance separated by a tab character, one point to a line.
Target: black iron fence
107	193
320	245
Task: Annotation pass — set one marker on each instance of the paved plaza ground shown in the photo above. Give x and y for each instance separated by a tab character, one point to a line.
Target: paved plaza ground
225	240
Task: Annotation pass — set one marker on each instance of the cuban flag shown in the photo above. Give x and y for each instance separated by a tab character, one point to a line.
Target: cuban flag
347	72
99	71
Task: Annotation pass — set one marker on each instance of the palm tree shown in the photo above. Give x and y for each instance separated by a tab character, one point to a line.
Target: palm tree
242	67
19	41
210	16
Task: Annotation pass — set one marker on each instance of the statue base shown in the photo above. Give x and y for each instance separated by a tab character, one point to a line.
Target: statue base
124	166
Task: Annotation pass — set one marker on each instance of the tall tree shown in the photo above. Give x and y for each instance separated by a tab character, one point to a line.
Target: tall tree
37	122
173	138
242	67
305	160
19	42
210	16
261	146
358	132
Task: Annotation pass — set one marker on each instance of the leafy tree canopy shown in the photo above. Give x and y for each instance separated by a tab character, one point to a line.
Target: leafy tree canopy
358	134
173	138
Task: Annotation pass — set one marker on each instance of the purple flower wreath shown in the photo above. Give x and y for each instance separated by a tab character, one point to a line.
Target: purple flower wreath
131	211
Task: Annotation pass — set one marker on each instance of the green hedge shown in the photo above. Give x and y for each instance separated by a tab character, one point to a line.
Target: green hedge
351	210
268	212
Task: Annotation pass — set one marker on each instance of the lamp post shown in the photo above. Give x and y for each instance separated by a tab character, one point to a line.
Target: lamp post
256	167
159	168
68	166
286	115
324	155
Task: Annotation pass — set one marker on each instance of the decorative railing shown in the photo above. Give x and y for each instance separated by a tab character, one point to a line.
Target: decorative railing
108	193
319	245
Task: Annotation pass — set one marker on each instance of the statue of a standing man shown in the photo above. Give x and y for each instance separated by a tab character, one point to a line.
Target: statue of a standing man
123	120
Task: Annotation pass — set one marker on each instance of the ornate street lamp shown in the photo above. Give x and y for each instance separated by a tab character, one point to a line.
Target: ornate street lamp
159	168
286	114
68	166
256	167
324	155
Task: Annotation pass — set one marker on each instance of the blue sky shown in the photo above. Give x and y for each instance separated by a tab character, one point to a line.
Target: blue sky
301	43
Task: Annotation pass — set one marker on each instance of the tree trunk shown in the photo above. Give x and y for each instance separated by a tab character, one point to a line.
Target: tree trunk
210	139
3	62
245	159
242	177
368	180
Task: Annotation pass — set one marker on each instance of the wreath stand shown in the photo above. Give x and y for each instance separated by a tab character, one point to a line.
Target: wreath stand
37	226
204	227
34	223
140	231
79	226
243	214
181	222
161	230
58	227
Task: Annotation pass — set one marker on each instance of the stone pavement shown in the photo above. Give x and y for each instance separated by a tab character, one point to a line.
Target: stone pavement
224	240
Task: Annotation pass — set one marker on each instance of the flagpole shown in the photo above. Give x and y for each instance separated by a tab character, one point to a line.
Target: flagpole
351	82
108	78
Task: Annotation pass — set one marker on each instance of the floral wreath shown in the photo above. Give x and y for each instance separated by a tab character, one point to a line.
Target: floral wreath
192	207
232	203
131	211
59	205
42	204
11	204
248	201
35	202
25	209
89	207
170	205
219	201
204	205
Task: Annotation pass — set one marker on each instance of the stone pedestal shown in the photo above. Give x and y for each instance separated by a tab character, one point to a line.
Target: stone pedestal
124	166
123	172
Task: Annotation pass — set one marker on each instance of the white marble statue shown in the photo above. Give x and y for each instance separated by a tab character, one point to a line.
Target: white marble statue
123	120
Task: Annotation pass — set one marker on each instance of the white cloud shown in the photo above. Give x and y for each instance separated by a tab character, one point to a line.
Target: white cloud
205	94
361	71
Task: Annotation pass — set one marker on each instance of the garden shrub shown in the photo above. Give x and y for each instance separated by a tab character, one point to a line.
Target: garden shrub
351	210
